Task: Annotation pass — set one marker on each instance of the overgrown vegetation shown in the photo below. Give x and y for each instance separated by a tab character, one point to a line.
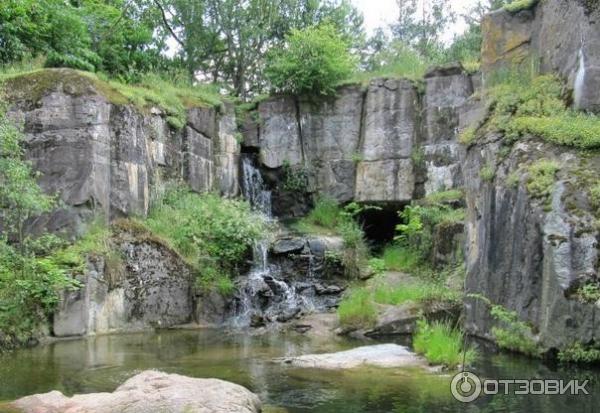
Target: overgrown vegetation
295	178
311	62
589	293
441	343
578	353
520	5
523	102
541	178
419	292
511	333
214	235
357	309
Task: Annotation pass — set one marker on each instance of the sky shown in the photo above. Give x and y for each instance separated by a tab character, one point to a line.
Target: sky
380	13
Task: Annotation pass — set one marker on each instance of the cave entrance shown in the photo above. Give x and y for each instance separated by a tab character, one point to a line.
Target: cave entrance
380	224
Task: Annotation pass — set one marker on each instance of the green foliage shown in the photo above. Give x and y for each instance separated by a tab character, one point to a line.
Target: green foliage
312	62
467	136
395	61
20	196
325	214
541	178
213	234
421	220
578	353
441	343
594	195
357	309
511	333
487	173
451	196
295	179
401	258
377	265
578	130
589	293
520	5
514	179
421	292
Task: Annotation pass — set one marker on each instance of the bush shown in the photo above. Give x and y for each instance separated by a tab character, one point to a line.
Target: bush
440	343
313	61
542	175
487	173
325	214
213	234
519	5
357	309
577	130
399	258
578	353
467	136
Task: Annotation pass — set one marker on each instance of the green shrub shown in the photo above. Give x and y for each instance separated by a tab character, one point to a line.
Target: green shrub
295	179
444	197
541	178
440	343
513	179
467	136
519	5
357	310
487	173
313	61
589	293
577	130
377	265
213	234
513	334
578	353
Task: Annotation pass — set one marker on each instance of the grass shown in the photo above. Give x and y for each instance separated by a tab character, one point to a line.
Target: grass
421	293
441	344
541	178
357	309
400	258
445	197
172	97
519	5
326	215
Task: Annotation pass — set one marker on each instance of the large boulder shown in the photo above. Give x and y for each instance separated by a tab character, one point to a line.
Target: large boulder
383	355
150	391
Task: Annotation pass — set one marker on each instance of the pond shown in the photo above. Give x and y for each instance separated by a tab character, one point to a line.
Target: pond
103	363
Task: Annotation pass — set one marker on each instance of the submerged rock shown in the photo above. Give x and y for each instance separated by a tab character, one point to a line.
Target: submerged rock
383	355
150	391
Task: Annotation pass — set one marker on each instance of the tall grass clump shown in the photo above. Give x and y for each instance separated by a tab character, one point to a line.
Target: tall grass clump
357	309
421	293
440	343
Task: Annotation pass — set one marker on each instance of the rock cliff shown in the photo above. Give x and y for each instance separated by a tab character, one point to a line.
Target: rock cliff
102	155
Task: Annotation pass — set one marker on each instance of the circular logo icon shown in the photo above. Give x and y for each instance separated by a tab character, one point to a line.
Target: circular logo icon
465	387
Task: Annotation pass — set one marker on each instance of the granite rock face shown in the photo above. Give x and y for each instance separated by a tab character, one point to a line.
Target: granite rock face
151	287
362	144
150	391
527	254
562	36
103	157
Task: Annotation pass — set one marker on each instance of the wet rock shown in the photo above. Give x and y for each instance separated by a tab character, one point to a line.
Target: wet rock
288	315
150	391
257	320
329	290
288	245
384	355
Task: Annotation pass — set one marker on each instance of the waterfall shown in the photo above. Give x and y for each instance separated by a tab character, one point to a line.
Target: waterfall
579	80
254	188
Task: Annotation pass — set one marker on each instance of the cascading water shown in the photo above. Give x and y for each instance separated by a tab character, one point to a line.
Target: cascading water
578	87
254	188
262	295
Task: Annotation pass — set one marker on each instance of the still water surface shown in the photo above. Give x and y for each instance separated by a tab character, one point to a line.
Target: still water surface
103	363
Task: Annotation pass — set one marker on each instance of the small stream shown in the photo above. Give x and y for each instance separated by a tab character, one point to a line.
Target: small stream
103	363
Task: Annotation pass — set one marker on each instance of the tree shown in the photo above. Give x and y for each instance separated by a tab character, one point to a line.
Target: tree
313	61
421	25
226	40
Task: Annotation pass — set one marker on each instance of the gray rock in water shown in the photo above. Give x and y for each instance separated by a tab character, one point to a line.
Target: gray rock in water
151	391
383	355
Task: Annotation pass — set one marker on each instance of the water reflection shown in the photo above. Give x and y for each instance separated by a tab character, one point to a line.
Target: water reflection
103	363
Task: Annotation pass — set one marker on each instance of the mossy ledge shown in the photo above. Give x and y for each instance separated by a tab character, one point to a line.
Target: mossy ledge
30	87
